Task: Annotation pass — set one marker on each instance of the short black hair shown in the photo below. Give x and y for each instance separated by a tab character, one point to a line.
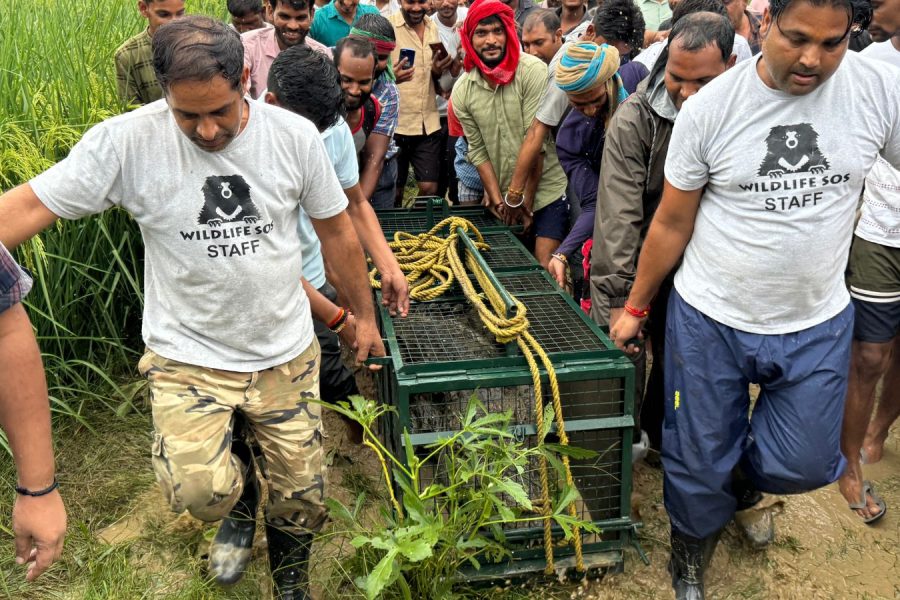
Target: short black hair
294	4
491	20
620	21
197	48
358	47
698	30
859	12
242	8
376	24
686	7
305	82
547	16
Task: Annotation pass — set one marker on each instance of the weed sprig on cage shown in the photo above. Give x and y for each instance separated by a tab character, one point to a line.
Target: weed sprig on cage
458	497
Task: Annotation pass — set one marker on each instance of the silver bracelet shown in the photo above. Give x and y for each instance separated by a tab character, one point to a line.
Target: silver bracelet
506	201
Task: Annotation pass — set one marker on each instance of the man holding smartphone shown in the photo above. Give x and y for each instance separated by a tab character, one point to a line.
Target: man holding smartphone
418	133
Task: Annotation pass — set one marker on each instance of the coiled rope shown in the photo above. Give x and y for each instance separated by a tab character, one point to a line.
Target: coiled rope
431	264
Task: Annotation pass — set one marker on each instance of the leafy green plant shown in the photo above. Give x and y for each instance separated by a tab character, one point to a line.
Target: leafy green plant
457	499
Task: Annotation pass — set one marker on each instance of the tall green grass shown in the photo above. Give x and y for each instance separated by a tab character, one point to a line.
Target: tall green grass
56	80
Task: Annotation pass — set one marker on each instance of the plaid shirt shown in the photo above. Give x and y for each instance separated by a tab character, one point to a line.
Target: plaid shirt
389	98
135	77
14	283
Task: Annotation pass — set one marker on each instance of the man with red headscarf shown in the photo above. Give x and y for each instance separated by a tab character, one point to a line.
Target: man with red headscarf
495	101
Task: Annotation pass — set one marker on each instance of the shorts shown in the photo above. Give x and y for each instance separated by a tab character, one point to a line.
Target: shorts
552	221
423	152
873	276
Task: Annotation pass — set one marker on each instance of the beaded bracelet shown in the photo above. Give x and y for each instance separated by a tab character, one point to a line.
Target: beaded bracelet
26	492
560	257
637	312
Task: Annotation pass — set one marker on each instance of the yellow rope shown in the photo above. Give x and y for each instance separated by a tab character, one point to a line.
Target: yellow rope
431	264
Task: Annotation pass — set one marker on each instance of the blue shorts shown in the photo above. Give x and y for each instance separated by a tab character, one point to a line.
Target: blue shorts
792	441
552	221
877	322
873	276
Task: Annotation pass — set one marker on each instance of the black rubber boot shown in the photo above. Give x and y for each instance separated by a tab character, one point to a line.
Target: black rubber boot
230	550
690	558
289	563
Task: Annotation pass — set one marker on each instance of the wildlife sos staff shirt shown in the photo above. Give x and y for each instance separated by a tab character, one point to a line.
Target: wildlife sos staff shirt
222	260
783	176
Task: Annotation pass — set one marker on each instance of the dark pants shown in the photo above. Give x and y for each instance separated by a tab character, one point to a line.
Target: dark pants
653	401
447	182
336	382
386	186
792	442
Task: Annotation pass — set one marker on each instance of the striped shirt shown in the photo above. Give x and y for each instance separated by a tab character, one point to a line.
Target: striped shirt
14	283
135	78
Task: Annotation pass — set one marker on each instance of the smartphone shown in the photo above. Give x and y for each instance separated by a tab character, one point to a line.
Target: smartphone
439	50
409	54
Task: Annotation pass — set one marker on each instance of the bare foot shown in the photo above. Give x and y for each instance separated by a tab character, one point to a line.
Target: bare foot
872	449
850	485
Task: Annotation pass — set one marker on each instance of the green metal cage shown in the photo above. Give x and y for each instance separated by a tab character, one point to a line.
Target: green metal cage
441	354
428	211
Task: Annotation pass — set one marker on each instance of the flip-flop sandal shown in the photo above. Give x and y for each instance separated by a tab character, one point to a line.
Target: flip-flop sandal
867	489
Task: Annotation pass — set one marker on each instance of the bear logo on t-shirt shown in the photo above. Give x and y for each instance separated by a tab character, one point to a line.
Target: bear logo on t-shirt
793	149
226	199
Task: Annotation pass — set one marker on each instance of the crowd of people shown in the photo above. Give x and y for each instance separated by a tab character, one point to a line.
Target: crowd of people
715	181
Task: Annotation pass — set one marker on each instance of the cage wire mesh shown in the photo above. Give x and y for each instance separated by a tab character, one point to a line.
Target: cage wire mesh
597	478
446	331
526	282
418	221
588	399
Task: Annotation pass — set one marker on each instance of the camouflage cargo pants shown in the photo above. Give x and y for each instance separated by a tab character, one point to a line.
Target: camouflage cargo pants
193	411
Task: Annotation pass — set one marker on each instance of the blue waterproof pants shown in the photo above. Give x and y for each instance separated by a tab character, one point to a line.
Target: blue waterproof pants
792	442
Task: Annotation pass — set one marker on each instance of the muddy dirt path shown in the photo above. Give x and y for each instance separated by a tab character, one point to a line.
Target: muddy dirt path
822	549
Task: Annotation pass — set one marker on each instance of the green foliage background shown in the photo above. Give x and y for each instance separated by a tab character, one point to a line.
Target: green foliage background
56	80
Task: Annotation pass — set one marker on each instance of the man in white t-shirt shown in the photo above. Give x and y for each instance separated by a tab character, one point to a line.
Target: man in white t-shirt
763	175
226	323
448	17
873	276
386	8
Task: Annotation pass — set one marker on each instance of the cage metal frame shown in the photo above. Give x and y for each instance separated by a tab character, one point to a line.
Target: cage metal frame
505	367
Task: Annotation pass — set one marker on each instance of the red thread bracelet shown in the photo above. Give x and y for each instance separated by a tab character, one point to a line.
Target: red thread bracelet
335	321
635	312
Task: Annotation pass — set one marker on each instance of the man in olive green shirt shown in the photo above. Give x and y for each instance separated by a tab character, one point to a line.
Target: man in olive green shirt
135	79
495	101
